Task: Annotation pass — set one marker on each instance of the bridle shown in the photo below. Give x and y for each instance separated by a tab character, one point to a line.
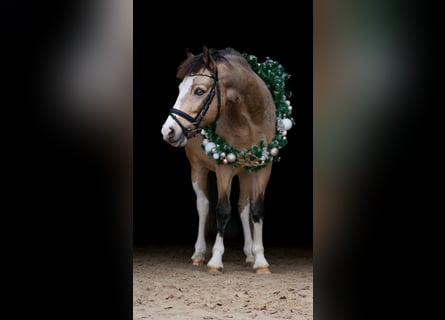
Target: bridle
196	121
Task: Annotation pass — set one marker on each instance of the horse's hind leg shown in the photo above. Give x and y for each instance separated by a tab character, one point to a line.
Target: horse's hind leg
244	212
199	182
258	186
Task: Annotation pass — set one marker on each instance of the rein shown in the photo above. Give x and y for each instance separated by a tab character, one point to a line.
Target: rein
196	121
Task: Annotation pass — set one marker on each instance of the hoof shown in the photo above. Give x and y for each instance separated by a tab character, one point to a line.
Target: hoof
214	269
197	262
249	264
262	270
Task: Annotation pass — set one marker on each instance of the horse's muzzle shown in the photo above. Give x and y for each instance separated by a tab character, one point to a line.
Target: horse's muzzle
173	136
182	141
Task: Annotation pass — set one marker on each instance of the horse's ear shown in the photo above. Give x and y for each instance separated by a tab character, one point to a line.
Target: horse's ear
207	58
205	54
188	53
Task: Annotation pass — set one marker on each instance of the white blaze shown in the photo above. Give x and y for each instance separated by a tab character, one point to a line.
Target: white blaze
170	123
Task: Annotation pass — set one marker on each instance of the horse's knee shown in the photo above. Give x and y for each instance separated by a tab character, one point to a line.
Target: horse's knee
258	209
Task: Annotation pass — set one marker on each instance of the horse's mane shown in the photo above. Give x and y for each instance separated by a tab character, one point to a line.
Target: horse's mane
194	63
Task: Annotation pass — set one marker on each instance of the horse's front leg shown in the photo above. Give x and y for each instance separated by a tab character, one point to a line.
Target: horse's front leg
223	213
199	182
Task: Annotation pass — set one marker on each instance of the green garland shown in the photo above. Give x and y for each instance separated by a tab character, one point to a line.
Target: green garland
257	157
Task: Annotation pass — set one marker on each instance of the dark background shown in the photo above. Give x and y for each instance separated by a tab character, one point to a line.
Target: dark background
67	245
66	242
164	201
73	215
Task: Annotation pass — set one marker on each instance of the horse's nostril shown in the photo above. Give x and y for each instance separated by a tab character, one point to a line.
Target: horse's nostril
171	133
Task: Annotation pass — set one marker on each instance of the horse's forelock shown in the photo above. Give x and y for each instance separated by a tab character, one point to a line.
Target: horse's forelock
191	64
194	63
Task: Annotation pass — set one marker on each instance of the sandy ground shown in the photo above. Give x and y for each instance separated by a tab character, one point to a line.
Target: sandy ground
167	286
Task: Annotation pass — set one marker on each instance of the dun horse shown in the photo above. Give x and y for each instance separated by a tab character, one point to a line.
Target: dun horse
230	121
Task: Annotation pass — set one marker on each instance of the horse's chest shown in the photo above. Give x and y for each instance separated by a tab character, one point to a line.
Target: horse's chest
197	156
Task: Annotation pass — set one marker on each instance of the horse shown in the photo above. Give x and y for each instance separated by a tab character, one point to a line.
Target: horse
225	117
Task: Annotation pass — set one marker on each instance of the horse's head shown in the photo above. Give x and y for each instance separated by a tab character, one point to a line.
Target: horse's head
199	100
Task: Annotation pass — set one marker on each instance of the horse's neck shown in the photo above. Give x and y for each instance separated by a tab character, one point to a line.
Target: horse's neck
249	114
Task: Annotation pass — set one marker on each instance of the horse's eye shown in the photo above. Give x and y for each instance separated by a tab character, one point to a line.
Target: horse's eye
199	92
